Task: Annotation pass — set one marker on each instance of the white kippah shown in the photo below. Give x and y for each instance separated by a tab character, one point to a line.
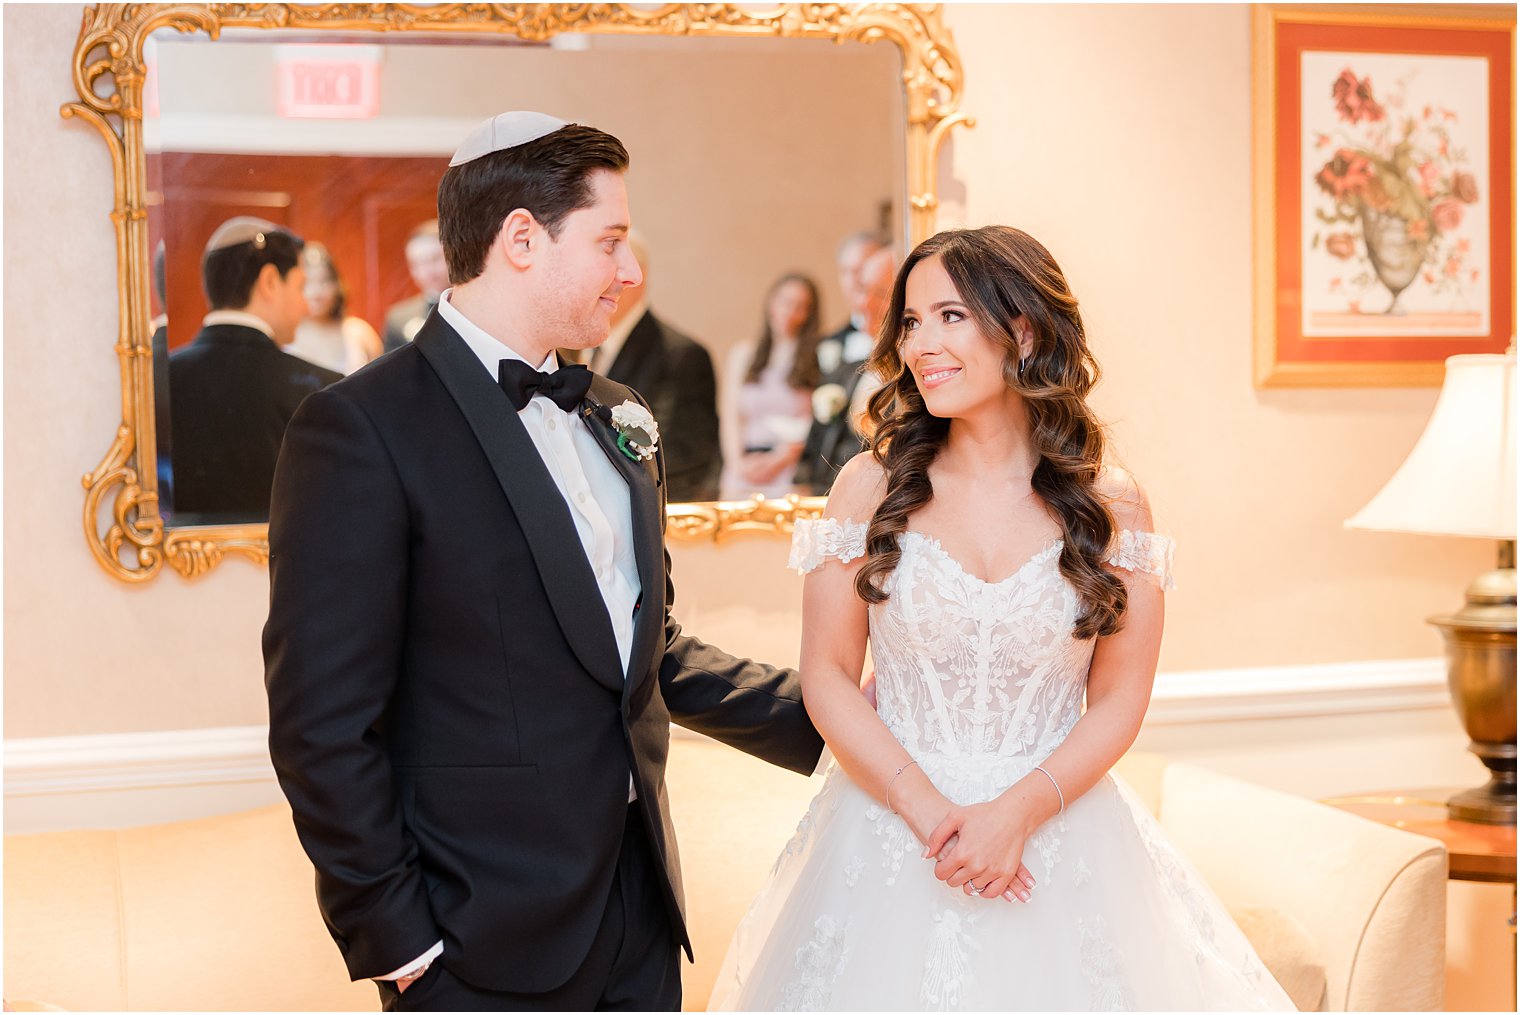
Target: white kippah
503	131
242	229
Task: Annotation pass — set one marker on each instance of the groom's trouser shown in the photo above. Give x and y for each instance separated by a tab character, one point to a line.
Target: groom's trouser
633	965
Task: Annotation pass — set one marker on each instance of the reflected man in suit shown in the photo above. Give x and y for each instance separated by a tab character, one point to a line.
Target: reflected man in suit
849	258
233	390
430	273
675	375
865	275
470	657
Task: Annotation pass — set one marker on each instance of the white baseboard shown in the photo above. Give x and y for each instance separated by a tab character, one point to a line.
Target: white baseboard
118	779
218	756
1293	692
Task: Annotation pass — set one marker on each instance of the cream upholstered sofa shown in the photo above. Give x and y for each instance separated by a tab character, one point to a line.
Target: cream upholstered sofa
218	913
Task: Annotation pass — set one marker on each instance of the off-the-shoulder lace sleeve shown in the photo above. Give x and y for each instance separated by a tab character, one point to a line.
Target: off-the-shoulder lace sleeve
815	540
1147	553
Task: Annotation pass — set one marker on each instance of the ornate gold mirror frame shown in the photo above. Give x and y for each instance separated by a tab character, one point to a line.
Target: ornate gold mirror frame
109	73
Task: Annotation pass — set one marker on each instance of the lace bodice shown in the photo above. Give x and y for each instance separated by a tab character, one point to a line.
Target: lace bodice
978	680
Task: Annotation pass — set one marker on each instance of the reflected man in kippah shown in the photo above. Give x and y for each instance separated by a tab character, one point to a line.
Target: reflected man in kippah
232	390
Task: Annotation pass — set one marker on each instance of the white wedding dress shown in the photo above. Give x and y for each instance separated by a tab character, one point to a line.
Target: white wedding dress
981	682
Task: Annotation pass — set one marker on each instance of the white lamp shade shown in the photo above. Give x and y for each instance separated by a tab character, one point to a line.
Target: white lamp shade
1460	478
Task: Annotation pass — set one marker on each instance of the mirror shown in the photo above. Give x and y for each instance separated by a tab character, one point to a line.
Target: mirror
758	142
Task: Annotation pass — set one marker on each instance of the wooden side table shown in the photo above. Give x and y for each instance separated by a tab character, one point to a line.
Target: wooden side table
1477	852
1484	853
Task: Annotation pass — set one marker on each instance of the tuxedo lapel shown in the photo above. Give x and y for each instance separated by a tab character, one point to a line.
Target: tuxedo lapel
535	500
647	520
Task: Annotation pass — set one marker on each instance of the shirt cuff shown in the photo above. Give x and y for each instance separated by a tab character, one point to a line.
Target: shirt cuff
417	963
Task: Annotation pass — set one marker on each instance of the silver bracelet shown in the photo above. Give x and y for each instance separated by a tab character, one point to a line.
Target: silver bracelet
1059	795
890	781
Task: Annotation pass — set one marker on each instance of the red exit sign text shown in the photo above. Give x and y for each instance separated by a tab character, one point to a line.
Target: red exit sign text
328	82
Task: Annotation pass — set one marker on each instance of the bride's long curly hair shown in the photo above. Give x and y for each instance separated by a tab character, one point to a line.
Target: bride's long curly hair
1001	274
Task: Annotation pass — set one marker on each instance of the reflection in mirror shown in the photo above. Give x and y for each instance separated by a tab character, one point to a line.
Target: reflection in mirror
766	178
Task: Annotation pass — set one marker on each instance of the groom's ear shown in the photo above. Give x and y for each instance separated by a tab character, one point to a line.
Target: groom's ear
519	238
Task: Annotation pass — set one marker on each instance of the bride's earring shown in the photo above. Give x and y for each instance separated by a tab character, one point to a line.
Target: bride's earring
1022	361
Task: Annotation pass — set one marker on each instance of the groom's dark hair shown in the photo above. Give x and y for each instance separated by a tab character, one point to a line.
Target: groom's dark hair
549	177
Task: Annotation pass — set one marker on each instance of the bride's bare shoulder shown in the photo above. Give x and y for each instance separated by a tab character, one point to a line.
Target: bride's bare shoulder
858	489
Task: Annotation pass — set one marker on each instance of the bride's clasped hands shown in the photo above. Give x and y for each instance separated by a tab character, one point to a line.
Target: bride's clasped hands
979	848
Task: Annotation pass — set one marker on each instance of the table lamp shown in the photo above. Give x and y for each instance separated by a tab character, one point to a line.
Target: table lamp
1460	481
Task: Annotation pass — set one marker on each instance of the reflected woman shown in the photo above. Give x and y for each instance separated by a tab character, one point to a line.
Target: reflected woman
768	393
327	337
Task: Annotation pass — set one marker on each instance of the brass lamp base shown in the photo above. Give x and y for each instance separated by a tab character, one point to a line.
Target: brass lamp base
1494	802
1480	669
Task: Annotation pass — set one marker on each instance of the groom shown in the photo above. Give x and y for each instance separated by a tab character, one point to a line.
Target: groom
470	658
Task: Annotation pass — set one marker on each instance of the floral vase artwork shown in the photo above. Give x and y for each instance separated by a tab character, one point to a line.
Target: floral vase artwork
1397	182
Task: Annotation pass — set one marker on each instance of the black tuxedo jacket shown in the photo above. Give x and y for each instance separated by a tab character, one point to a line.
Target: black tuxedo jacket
830	444
232	393
675	374
448	713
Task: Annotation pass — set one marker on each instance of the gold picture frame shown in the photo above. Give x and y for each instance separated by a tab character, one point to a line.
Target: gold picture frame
123	525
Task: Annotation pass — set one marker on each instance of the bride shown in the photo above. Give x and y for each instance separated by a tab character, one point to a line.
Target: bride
970	849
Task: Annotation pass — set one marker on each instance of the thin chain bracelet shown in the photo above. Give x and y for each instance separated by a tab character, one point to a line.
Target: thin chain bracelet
890	781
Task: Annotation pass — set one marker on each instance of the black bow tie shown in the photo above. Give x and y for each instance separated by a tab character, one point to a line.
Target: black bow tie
566	387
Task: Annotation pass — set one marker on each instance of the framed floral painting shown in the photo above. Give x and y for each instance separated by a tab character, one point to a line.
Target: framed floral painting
1383	189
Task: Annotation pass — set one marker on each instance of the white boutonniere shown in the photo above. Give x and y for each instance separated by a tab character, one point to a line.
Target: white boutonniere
829	401
638	433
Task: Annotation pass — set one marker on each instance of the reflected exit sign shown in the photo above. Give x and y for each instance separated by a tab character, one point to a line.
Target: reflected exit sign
328	82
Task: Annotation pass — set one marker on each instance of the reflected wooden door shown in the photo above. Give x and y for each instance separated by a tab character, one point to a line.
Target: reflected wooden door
360	207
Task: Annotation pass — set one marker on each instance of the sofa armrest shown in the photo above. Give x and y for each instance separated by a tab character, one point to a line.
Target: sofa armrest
1372	897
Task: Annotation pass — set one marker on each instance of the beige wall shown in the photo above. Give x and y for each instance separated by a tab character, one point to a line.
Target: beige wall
1070	143
1119	136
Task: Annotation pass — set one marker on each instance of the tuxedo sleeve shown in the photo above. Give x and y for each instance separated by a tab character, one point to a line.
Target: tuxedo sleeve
338	532
748	705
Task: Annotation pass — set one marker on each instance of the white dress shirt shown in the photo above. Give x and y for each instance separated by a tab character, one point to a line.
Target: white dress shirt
859	342
241	317
593	489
